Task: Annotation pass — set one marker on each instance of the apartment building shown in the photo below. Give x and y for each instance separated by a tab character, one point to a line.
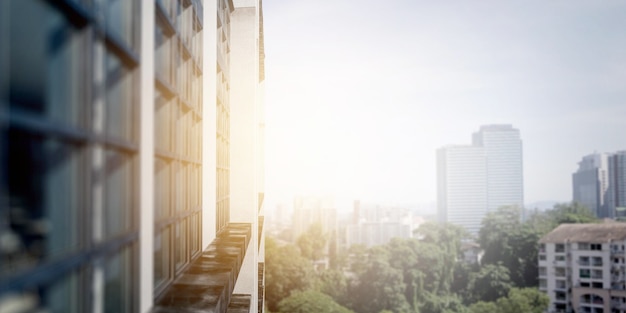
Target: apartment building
118	163
582	268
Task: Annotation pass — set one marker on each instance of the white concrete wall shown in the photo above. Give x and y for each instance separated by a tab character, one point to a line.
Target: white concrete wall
244	138
209	116
146	158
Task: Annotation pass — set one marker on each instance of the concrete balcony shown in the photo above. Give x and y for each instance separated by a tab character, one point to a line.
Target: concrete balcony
207	284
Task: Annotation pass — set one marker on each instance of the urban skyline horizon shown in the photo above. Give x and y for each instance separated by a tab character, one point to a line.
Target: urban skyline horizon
358	105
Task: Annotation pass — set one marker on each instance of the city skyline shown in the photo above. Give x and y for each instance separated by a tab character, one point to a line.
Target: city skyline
403	79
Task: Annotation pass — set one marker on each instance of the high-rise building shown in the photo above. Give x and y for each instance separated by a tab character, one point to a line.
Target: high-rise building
582	267
590	183
475	179
125	181
462	186
616	202
505	175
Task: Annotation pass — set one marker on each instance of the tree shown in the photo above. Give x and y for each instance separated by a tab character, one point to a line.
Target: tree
484	307
312	242
527	300
490	283
310	302
379	287
573	212
286	271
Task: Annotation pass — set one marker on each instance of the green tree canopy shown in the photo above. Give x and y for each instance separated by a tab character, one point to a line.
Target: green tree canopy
310	301
312	242
286	271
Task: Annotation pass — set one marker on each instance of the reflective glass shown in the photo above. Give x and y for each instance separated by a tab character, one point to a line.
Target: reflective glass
118	285
120	94
44	179
119	190
46	66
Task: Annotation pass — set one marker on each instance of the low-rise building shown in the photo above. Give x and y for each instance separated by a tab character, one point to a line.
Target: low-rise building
582	268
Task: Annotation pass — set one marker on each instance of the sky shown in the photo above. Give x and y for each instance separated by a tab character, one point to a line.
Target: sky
360	94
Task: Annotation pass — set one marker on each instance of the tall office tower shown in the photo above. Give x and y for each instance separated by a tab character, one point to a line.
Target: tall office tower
505	176
115	157
473	180
590	183
617	185
582	267
462	186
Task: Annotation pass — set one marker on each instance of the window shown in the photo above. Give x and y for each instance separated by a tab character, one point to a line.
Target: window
559	258
584	273
596	246
119	279
559	247
583	261
583	246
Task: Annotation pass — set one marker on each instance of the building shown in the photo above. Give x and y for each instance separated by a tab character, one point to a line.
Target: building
582	267
616	194
479	178
123	181
309	210
462	186
505	174
590	183
377	225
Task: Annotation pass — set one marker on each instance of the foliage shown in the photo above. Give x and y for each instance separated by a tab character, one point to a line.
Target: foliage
380	287
312	242
286	271
490	283
310	302
527	300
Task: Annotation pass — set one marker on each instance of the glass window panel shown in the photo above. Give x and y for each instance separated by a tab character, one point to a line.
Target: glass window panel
161	257
162	189
180	243
118	285
119	193
62	297
163	117
46	68
120	90
119	20
163	55
44	179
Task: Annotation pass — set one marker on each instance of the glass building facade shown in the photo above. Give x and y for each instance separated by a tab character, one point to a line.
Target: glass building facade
74	217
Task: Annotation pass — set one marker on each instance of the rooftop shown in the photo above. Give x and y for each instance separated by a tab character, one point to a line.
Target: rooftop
602	232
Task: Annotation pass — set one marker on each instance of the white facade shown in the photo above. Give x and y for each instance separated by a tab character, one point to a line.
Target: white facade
479	178
505	177
582	268
462	186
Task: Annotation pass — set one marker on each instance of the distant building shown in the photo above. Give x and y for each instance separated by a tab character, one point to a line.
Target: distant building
462	186
590	183
582	267
309	210
479	178
616	201
505	175
600	184
377	225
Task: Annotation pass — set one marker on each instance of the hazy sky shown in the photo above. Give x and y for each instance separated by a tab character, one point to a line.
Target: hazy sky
360	94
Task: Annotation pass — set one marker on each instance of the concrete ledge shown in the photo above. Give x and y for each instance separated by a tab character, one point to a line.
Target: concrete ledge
207	284
239	304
